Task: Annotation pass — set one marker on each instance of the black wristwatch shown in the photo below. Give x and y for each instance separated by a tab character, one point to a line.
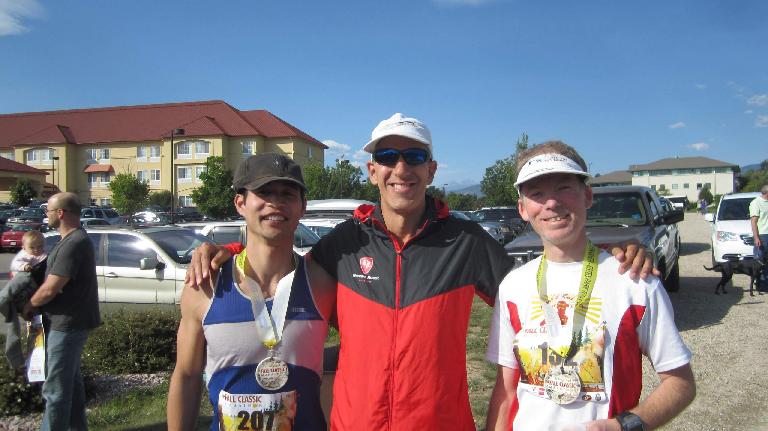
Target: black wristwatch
629	421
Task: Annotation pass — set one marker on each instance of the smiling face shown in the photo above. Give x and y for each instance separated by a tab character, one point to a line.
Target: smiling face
556	206
272	212
402	187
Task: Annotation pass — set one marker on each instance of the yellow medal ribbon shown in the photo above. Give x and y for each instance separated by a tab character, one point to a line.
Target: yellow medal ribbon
586	284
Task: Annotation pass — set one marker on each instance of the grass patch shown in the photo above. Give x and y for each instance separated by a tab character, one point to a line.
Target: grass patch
481	375
141	409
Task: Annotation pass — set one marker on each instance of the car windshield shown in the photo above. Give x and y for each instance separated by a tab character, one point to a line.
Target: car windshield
177	243
734	209
613	209
24	228
303	237
460	215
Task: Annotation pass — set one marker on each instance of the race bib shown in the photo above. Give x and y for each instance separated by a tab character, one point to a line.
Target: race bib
257	412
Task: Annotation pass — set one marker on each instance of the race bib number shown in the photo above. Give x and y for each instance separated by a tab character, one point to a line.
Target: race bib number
257	412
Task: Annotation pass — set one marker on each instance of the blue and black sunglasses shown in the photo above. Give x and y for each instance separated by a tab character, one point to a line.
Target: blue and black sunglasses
390	156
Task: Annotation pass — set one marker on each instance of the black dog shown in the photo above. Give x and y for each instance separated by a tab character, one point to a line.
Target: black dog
750	267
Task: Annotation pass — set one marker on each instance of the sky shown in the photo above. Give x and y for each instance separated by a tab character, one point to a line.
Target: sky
623	82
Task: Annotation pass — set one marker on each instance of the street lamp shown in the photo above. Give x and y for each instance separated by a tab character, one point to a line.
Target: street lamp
53	175
174	132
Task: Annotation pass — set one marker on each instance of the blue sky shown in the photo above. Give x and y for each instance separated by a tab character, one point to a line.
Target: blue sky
623	82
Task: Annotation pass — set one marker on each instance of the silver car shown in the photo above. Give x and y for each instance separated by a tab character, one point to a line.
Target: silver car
139	265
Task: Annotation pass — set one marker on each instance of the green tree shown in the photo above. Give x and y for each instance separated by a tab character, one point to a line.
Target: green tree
215	197
705	194
498	183
315	178
341	181
461	201
162	198
129	194
436	192
23	192
752	181
369	192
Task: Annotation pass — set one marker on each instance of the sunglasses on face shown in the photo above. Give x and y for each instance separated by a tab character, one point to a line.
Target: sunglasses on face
390	156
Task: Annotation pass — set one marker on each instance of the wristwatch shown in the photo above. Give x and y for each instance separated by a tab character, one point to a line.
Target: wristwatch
629	421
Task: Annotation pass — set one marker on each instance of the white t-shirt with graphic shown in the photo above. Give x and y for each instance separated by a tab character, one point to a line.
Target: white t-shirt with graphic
622	320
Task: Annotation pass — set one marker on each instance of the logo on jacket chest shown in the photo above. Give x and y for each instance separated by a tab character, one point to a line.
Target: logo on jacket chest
366	264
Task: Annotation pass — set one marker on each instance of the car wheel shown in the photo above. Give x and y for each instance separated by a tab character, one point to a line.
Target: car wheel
672	283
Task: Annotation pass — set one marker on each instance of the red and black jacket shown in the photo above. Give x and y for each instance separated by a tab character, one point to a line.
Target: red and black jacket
403	313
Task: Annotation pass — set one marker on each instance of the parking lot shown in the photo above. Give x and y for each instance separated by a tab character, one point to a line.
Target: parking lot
727	336
725	333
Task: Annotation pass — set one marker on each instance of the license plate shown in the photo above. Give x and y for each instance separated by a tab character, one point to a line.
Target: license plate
13	242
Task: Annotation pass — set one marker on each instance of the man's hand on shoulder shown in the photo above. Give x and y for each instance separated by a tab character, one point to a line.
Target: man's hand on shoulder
206	259
634	257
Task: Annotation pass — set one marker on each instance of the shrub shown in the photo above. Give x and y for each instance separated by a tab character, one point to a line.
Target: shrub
17	397
133	342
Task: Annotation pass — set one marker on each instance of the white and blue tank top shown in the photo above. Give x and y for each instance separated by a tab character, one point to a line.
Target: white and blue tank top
233	349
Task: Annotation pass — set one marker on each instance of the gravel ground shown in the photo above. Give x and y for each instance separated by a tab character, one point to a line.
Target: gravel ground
725	334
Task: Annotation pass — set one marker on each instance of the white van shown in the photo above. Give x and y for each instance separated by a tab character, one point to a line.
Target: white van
731	228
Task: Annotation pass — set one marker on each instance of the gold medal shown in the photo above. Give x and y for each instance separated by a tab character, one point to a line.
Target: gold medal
562	384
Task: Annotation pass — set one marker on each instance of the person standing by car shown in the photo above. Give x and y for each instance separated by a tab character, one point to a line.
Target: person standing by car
568	331
259	334
401	267
758	215
69	301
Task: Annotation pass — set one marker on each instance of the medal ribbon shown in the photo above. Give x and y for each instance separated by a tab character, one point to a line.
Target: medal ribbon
269	325
586	284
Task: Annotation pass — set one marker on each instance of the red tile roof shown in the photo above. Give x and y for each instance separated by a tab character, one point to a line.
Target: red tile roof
11	166
141	123
99	168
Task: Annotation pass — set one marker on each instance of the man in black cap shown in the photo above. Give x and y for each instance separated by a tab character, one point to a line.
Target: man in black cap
258	331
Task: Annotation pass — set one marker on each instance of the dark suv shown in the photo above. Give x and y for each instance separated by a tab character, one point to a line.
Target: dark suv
510	219
619	214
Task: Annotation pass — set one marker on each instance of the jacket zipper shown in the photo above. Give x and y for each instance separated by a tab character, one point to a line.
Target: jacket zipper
393	350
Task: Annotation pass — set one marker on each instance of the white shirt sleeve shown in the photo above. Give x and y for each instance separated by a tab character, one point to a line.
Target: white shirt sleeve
659	338
22	258
501	336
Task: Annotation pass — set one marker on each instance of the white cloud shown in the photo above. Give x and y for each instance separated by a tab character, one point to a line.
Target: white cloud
749	112
13	12
336	150
701	86
699	146
758	100
463	2
678	125
761	121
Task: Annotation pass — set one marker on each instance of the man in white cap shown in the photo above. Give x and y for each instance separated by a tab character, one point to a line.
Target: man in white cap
568	330
406	276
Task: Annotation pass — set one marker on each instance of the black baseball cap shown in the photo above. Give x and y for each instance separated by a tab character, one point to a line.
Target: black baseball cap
258	170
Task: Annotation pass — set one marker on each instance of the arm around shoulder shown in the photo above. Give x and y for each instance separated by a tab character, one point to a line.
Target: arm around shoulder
186	381
323	287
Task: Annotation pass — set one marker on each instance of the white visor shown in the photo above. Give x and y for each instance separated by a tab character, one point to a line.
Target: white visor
545	164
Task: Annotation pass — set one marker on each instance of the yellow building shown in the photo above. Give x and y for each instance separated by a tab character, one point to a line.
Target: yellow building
82	149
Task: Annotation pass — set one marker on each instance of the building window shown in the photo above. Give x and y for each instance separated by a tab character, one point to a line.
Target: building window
685	185
698	186
9	155
653	186
154	176
104	155
247	148
105	179
202	149
199	170
708	186
674	186
142	176
32	156
184	174
309	151
183	150
105	202
93	180
154	153
185	201
662	187
40	155
94	202
141	152
90	155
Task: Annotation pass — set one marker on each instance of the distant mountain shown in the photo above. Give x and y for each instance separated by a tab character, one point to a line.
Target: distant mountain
747	168
469	190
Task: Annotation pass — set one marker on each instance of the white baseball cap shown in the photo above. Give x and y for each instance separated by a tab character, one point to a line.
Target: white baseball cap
400	125
550	163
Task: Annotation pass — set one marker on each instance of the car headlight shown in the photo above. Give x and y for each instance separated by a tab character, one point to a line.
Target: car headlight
723	236
505	229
